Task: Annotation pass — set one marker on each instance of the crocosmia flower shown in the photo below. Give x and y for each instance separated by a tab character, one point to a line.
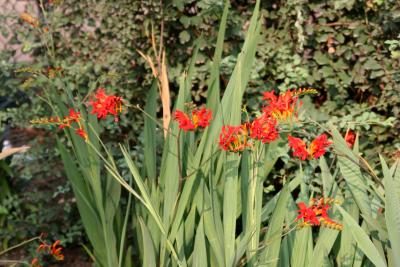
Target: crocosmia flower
54	250
285	106
317	214
350	138
185	123
234	138
72	117
200	118
82	133
299	147
307	214
316	149
103	105
73	121
264	128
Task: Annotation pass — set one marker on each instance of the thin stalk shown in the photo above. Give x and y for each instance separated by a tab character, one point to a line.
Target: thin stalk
152	118
52	50
204	162
14	262
19	245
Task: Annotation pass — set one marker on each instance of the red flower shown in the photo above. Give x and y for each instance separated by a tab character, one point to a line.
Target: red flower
56	251
264	128
72	117
283	106
82	133
317	214
185	123
106	104
350	138
318	146
234	138
316	149
307	214
299	147
200	118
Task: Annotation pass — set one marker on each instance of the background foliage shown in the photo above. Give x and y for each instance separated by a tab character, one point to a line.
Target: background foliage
348	50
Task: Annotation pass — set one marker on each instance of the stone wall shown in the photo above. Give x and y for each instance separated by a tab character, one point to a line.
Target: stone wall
9	14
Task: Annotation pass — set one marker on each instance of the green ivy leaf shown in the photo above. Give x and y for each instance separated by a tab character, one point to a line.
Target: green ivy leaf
372	64
184	37
320	58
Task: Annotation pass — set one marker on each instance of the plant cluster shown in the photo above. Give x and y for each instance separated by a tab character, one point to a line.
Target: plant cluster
206	200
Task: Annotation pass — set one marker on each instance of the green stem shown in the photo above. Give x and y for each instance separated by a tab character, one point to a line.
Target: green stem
14	261
19	245
152	118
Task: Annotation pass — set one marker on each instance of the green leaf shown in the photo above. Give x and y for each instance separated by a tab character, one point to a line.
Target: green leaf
372	64
392	214
200	253
352	175
362	239
184	37
149	256
320	58
272	239
230	203
302	248
86	207
213	92
150	132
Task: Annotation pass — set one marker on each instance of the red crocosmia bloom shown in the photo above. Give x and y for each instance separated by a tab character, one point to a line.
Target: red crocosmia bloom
56	251
200	118
307	214
283	106
350	138
82	133
316	214
74	116
234	138
318	146
185	123
104	104
264	128
299	147
316	149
